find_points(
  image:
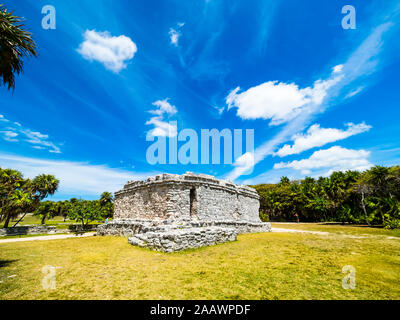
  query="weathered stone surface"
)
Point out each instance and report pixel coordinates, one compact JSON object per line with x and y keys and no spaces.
{"x":175,"y":206}
{"x":186,"y":197}
{"x":129,"y":227}
{"x":21,"y":230}
{"x":182,"y":239}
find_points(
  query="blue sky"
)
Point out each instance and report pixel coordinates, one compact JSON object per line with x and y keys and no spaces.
{"x":319,"y":97}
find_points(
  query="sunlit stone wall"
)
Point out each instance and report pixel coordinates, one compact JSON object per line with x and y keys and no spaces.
{"x":187,"y":197}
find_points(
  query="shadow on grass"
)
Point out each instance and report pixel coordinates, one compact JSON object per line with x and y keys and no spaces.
{"x":5,"y":263}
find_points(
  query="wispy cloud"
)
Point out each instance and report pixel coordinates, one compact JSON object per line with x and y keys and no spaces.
{"x":354,"y":92}
{"x":15,"y":132}
{"x":265,"y":18}
{"x":9,"y":136}
{"x":162,"y":128}
{"x":113,"y":52}
{"x":76,"y":178}
{"x":317,"y":137}
{"x":40,"y":141}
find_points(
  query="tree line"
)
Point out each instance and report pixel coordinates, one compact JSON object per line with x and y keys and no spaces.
{"x":371,"y":197}
{"x":20,"y":196}
{"x":82,"y":211}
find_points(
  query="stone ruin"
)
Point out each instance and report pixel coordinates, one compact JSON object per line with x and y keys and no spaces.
{"x":172,"y":212}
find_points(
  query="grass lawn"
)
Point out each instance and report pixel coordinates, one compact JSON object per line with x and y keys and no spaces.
{"x":257,"y":266}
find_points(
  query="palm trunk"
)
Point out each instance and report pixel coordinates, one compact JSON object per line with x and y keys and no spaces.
{"x":23,"y":216}
{"x":7,"y":221}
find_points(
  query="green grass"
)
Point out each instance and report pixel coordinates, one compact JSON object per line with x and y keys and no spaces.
{"x":257,"y":266}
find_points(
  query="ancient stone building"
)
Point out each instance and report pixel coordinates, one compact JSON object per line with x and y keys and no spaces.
{"x":174,"y":212}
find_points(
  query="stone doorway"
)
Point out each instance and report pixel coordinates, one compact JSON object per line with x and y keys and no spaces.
{"x":193,"y":202}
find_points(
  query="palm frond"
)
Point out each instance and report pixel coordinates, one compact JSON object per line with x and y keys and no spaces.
{"x":15,"y":44}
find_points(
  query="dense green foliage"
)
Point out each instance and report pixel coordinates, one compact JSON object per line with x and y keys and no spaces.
{"x":20,"y":196}
{"x":15,"y":43}
{"x":371,"y":197}
{"x":83,"y":211}
{"x":51,"y":209}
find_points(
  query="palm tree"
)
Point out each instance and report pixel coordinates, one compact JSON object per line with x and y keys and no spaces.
{"x":106,"y":204}
{"x":19,"y":195}
{"x":44,"y":185}
{"x":15,"y":43}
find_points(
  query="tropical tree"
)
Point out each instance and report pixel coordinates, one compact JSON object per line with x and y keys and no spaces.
{"x":106,"y":205}
{"x":20,"y":196}
{"x":44,"y":185}
{"x":15,"y":44}
{"x":85,"y":211}
{"x":371,"y":197}
{"x":46,"y":210}
{"x":63,"y":209}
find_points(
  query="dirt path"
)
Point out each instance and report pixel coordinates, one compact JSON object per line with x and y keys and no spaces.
{"x":280,"y":230}
{"x":322,"y":233}
{"x":53,"y":237}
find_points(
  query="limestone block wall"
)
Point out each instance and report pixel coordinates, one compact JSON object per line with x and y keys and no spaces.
{"x":142,"y":203}
{"x":187,"y":197}
{"x":177,"y":240}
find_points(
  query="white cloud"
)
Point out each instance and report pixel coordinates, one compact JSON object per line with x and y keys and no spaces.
{"x":335,"y":159}
{"x":161,"y":127}
{"x":76,"y":178}
{"x":280,"y":102}
{"x":163,"y":107}
{"x":317,"y":137}
{"x":338,"y":68}
{"x":35,"y":138}
{"x":174,"y":34}
{"x":245,"y":163}
{"x":113,"y":52}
